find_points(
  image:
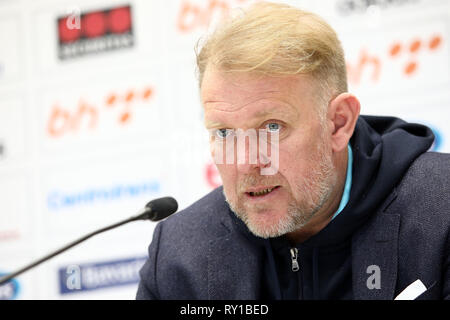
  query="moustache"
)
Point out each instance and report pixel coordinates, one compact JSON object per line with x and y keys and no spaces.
{"x":250,"y":181}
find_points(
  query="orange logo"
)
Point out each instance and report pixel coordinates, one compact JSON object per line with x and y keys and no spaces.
{"x":192,"y":16}
{"x":412,"y":49}
{"x":366,"y":63}
{"x":371,"y":64}
{"x":86,"y":115}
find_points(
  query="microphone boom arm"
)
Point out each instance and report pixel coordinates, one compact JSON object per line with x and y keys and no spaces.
{"x":144,"y":215}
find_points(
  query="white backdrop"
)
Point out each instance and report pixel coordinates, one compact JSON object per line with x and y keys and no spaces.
{"x":86,"y":141}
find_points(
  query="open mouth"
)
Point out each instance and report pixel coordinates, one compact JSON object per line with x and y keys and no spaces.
{"x":263,"y":192}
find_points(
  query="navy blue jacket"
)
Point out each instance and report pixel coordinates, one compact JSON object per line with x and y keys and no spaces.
{"x":202,"y":252}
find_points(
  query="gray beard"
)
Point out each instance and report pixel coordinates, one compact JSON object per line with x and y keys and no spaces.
{"x":316,"y":190}
{"x":295,"y":219}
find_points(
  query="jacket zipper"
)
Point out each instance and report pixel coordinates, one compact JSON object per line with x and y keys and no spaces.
{"x":294,"y":257}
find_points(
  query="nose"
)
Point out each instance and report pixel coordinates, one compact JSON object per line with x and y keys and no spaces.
{"x":248,"y":157}
{"x":247,"y":167}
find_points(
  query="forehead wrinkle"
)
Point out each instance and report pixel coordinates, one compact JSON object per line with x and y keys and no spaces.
{"x":238,"y":106}
{"x":267,"y":99}
{"x":261,"y":112}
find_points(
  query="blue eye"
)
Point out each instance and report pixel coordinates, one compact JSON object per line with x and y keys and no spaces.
{"x":273,"y":127}
{"x":223,"y":133}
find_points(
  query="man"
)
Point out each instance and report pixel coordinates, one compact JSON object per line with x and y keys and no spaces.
{"x":355,"y":208}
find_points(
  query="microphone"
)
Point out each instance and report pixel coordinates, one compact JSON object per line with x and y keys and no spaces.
{"x":155,"y":210}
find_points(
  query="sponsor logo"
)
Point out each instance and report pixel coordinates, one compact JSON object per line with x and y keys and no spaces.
{"x":193,"y":16}
{"x":412,"y":48}
{"x":86,"y":116}
{"x":348,"y":7}
{"x":94,"y":32}
{"x":57,"y":200}
{"x":403,"y":55}
{"x":93,"y":276}
{"x":224,"y":142}
{"x":9,"y":290}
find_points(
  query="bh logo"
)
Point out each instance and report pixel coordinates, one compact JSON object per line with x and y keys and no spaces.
{"x":9,"y":290}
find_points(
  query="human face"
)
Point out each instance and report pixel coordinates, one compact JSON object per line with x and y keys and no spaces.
{"x":305,"y":177}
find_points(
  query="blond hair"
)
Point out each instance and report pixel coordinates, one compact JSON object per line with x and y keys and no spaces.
{"x":277,"y":39}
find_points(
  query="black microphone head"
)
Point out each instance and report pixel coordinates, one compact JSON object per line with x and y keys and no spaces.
{"x":162,"y":208}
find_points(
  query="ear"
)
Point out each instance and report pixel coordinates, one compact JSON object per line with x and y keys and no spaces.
{"x":343,"y":112}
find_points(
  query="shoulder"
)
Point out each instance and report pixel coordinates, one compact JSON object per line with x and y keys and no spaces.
{"x":422,"y":196}
{"x":434,"y":163}
{"x":428,"y":176}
